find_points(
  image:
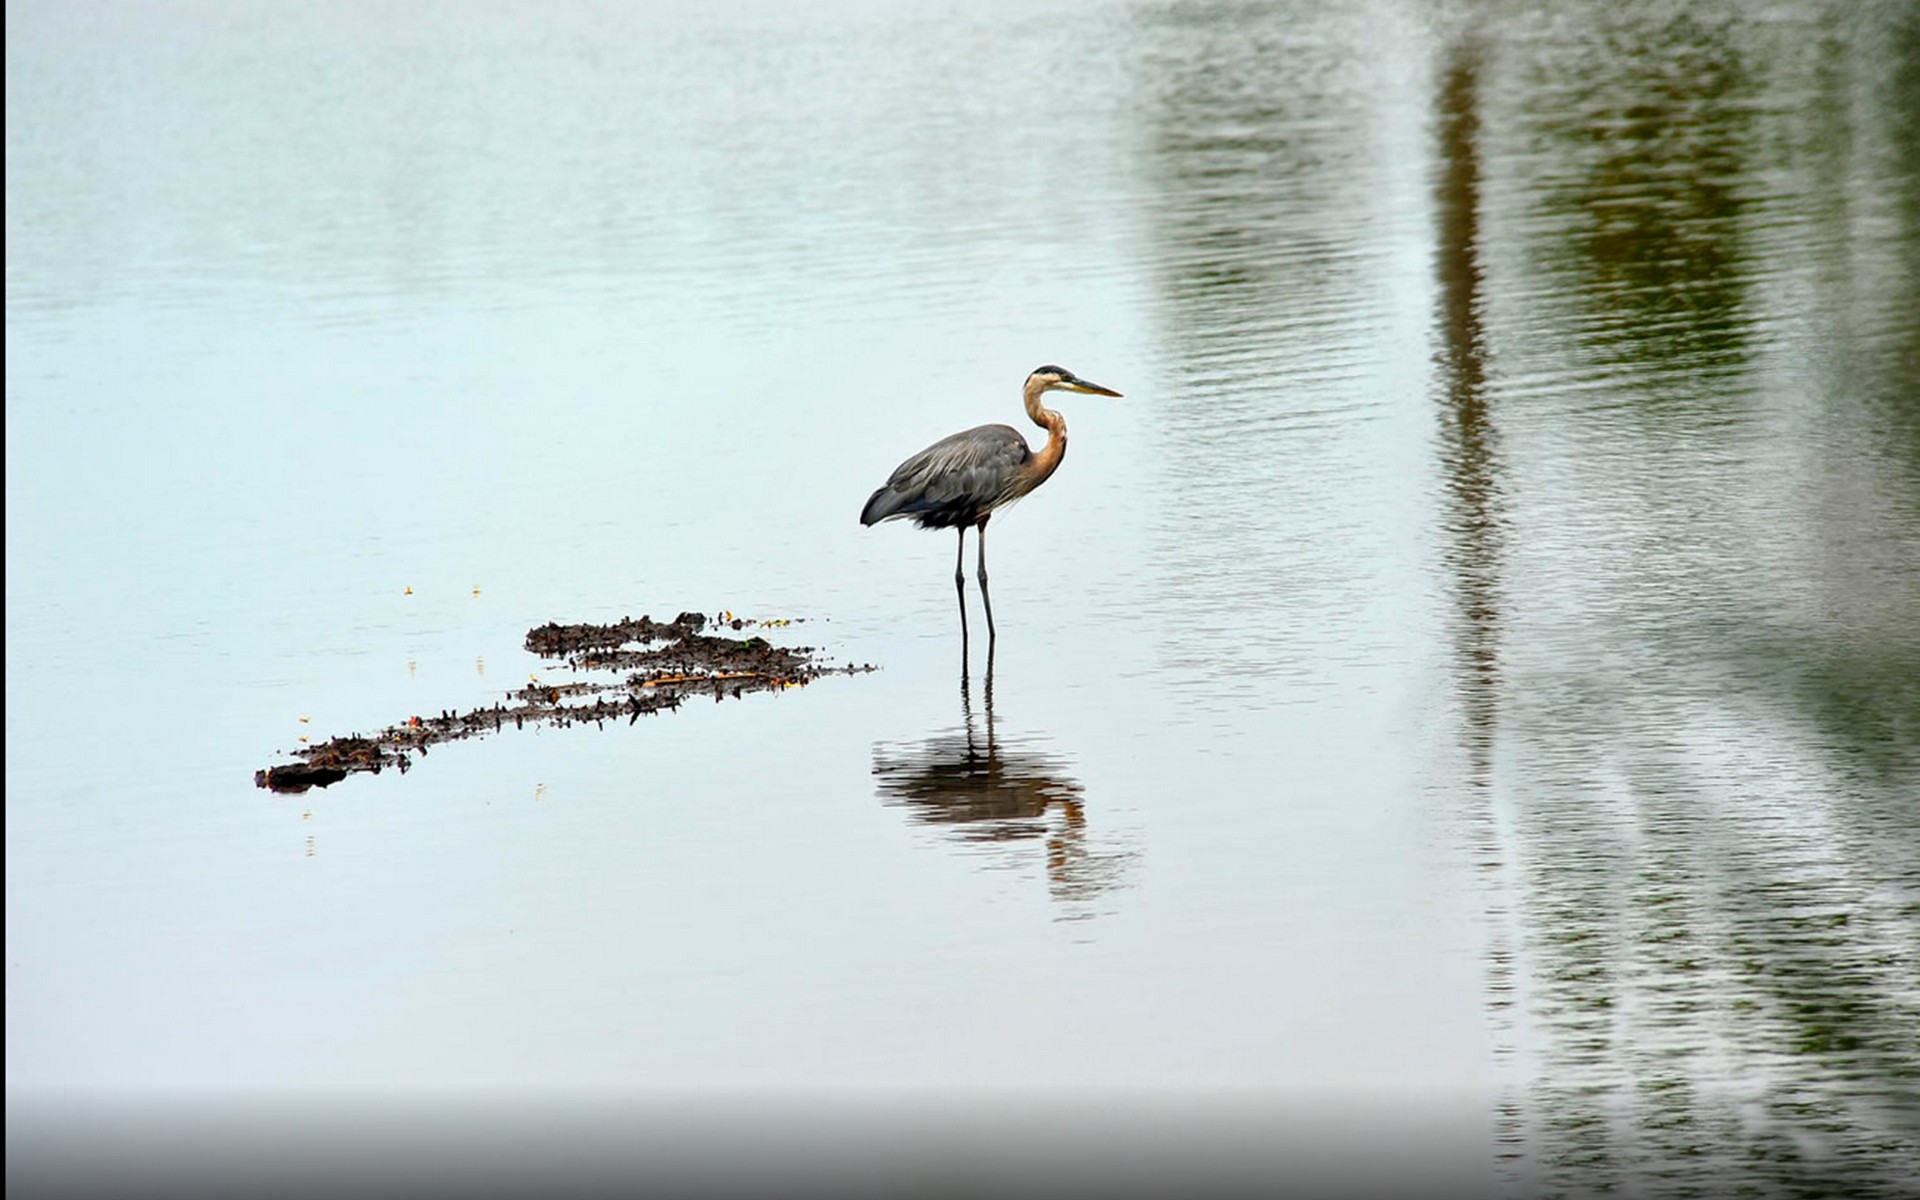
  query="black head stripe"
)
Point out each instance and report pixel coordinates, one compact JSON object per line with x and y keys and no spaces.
{"x":1053,"y":370}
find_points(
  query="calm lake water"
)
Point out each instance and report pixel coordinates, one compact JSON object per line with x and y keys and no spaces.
{"x":1470,"y":684}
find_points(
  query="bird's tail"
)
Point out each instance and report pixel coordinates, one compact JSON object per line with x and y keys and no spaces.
{"x":884,"y":503}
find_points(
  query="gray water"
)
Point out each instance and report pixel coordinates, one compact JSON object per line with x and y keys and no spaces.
{"x":1471,"y":682}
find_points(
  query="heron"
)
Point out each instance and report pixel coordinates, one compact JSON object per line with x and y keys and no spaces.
{"x":961,"y":480}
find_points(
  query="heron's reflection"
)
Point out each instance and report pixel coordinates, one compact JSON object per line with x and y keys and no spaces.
{"x":995,"y":795}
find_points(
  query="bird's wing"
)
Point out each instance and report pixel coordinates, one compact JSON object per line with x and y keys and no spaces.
{"x":972,"y":468}
{"x":969,"y":465}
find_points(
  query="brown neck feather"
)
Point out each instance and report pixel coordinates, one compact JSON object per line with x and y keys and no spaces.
{"x":1048,"y":459}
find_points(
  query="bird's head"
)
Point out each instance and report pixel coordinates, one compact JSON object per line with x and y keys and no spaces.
{"x":1050,"y":378}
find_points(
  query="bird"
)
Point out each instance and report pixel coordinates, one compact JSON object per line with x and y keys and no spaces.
{"x":963,"y":479}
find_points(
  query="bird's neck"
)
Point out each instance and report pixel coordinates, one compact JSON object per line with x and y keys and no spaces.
{"x":1050,"y":455}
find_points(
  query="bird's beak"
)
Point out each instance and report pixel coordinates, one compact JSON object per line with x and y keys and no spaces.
{"x":1082,"y":385}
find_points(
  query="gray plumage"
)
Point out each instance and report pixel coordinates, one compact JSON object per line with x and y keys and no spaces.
{"x":955,"y":481}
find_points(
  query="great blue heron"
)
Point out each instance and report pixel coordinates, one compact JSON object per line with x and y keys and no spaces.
{"x":960,"y":480}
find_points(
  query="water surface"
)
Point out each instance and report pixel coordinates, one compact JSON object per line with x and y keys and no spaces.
{"x":1471,"y":674}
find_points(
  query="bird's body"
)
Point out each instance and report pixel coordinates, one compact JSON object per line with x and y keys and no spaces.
{"x":962,"y":479}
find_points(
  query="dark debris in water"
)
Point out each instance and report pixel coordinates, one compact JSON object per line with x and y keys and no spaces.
{"x":662,"y":663}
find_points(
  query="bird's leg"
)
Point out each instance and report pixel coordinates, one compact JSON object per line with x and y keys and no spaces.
{"x":986,"y":600}
{"x":990,"y":695}
{"x":960,"y":584}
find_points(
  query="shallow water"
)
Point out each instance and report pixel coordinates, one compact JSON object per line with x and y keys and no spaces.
{"x":1473,"y":668}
